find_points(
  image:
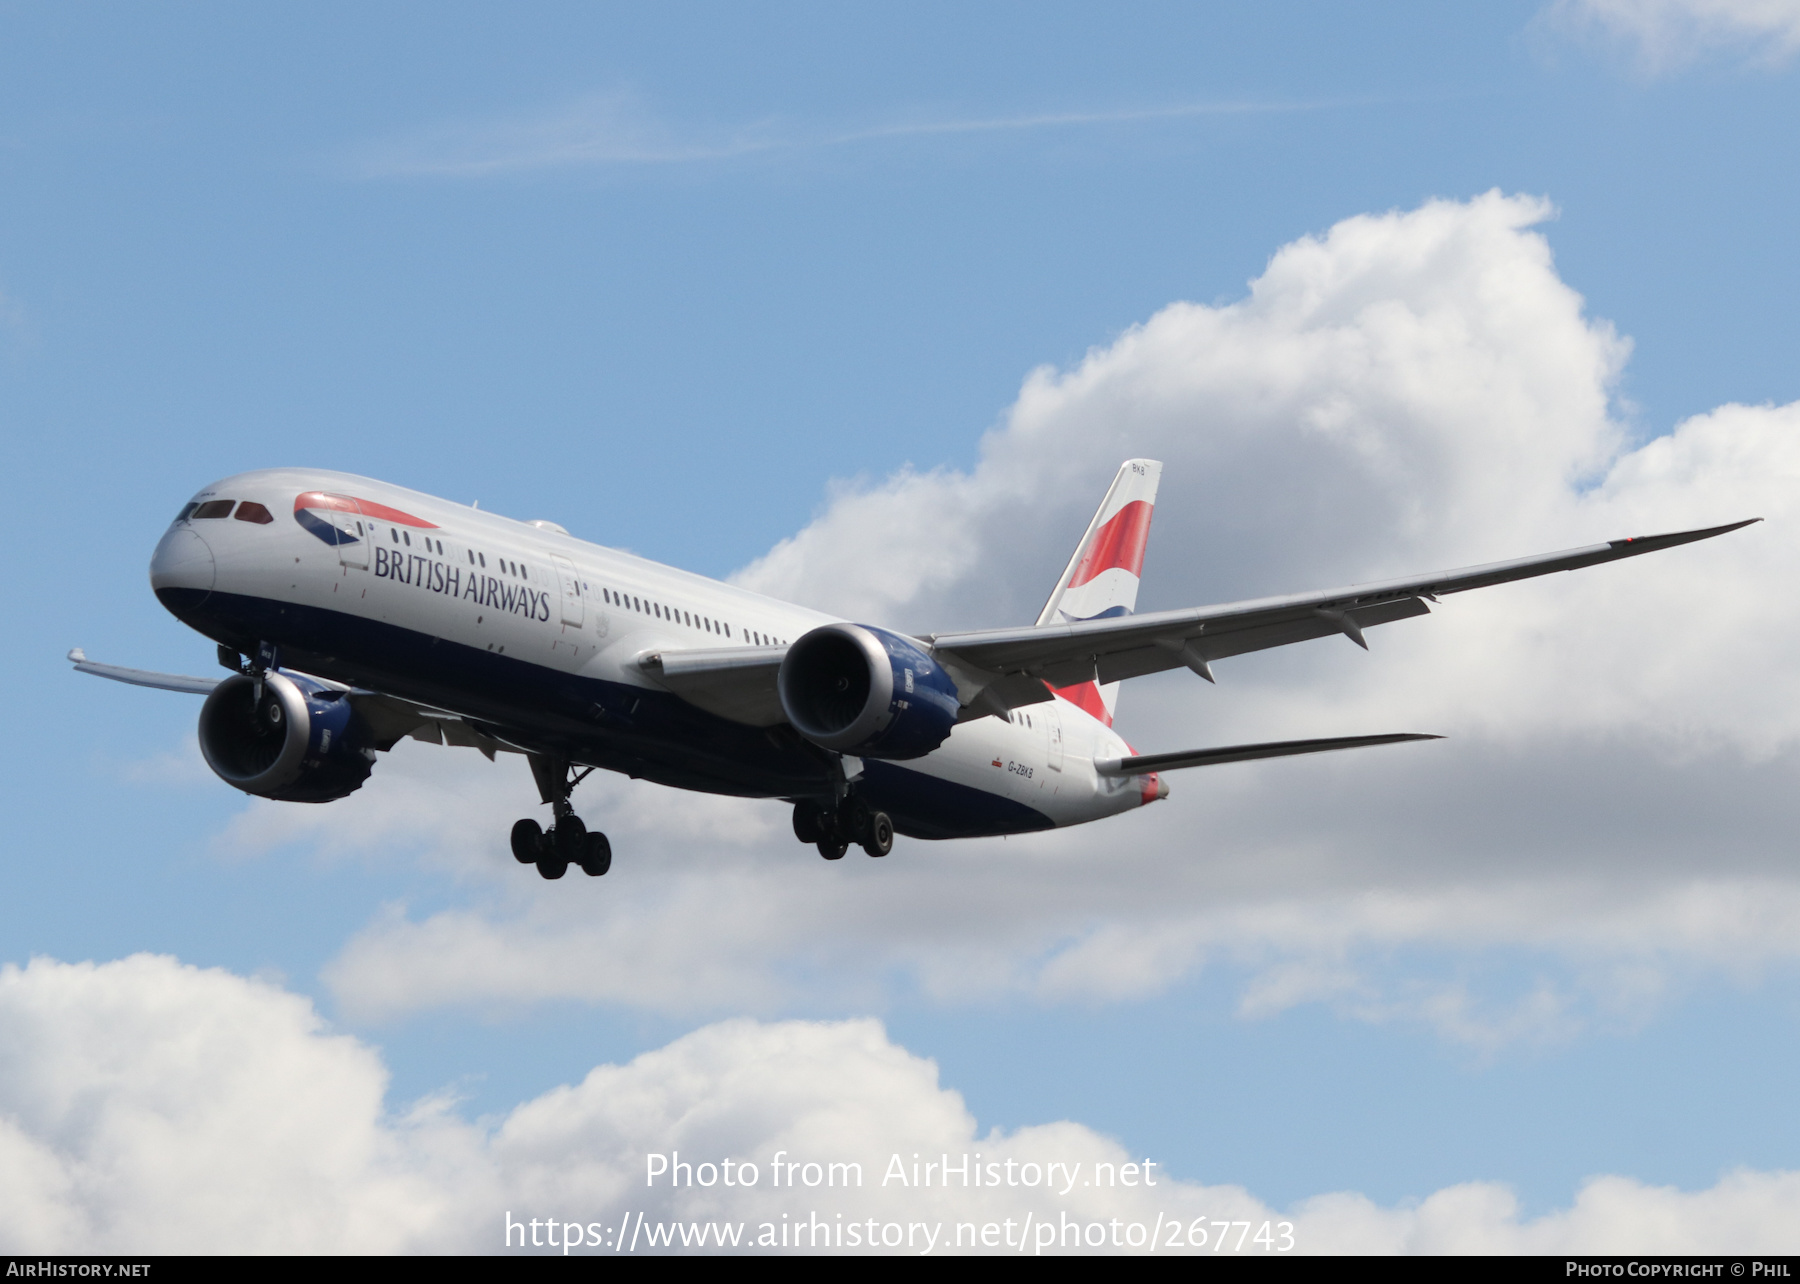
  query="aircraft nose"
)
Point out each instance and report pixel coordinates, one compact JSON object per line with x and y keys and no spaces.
{"x":182,"y":569}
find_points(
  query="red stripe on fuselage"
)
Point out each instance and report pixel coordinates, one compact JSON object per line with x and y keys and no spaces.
{"x":1119,"y":543}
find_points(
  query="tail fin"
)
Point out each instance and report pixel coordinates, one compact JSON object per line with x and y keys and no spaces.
{"x":1101,"y":579}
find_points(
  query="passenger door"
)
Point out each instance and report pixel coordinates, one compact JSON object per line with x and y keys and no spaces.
{"x":573,"y":610}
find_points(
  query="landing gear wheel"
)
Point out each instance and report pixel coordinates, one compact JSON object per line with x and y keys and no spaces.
{"x":599,"y":856}
{"x":568,"y":842}
{"x":832,"y":849}
{"x":878,"y":836}
{"x":569,"y":838}
{"x":853,"y":819}
{"x":527,"y":842}
{"x":811,"y":822}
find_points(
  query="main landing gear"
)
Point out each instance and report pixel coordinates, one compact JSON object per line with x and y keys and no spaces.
{"x":832,"y":830}
{"x":568,"y":841}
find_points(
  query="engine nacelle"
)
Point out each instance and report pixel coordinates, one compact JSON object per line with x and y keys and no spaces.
{"x":864,"y":691}
{"x":302,"y":742}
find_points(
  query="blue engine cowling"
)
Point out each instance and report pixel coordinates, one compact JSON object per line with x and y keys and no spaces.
{"x":301,"y":742}
{"x":865,"y":691}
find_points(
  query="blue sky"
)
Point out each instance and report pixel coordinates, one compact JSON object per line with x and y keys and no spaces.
{"x":692,"y":280}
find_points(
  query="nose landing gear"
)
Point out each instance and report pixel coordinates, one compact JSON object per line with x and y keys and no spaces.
{"x":568,"y":841}
{"x":832,"y":830}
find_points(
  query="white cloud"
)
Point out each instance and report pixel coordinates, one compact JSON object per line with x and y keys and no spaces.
{"x":1670,"y":33}
{"x":1408,"y":391}
{"x":146,"y":1106}
{"x":151,"y":1107}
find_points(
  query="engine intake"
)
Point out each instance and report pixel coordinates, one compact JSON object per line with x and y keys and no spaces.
{"x":301,"y":742}
{"x":861,"y":690}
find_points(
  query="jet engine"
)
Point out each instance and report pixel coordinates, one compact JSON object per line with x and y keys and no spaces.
{"x":300,"y":741}
{"x":865,"y":691}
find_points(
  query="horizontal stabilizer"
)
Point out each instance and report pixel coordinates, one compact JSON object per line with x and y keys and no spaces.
{"x":1144,"y":763}
{"x":143,"y":677}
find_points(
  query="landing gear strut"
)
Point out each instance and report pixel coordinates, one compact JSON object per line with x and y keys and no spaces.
{"x":568,"y":841}
{"x":833,"y":829}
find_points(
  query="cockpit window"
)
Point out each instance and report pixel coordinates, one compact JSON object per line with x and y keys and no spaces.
{"x":214,"y":508}
{"x":187,"y":511}
{"x":251,"y":511}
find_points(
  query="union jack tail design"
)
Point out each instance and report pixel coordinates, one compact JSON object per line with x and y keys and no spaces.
{"x":1101,"y":580}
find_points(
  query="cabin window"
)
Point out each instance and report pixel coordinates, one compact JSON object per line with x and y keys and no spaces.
{"x":483,"y":557}
{"x":394,"y":534}
{"x":214,"y":508}
{"x":525,"y":571}
{"x":251,"y":511}
{"x":407,"y":536}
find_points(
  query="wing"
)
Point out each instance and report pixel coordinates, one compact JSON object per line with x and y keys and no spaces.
{"x":389,"y":717}
{"x":999,"y":669}
{"x":734,"y":682}
{"x":143,"y":677}
{"x":1144,"y":763}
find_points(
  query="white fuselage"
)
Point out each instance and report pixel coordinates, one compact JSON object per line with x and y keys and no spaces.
{"x":445,"y":602}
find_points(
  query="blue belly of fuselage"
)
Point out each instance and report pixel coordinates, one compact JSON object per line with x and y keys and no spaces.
{"x":639,"y":732}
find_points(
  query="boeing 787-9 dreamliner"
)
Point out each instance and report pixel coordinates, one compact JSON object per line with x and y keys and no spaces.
{"x":352,"y":613}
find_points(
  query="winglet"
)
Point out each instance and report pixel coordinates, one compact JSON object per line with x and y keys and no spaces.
{"x":1682,"y":537}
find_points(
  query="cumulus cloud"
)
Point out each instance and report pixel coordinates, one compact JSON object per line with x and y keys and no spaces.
{"x":147,"y":1106}
{"x":1669,"y":33}
{"x":1405,"y":392}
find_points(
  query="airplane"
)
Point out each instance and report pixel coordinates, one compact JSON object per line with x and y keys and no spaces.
{"x":353,"y":613}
